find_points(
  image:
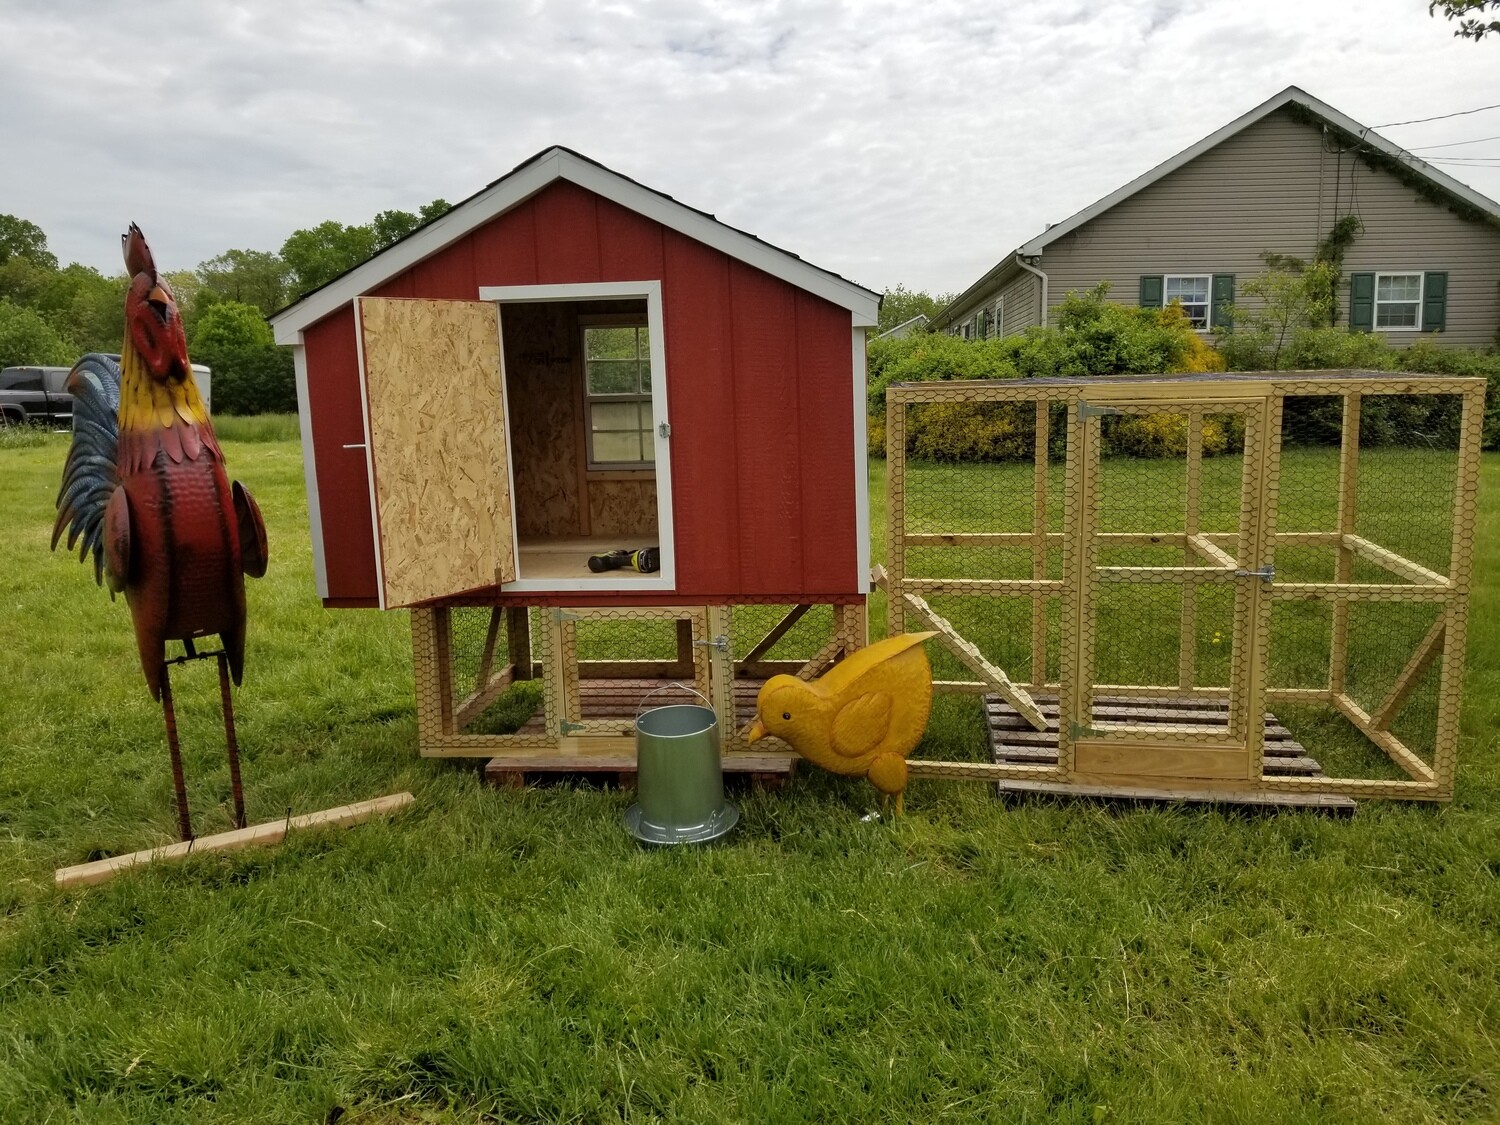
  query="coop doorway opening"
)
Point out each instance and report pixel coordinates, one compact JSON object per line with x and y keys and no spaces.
{"x":586,"y":414}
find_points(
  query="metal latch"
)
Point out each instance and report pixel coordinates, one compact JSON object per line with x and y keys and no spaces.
{"x":720,"y":643}
{"x":664,"y":429}
{"x":1265,"y":573}
{"x":1087,"y":410}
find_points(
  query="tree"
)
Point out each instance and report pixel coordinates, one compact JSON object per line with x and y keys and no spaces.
{"x":316,"y":256}
{"x":25,"y":338}
{"x":251,"y":375}
{"x":901,"y":304}
{"x":20,"y":238}
{"x":83,"y":307}
{"x":250,"y":277}
{"x":1470,"y":26}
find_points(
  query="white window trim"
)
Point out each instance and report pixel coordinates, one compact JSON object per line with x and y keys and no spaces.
{"x":586,"y":322}
{"x":1208,"y":312}
{"x":1376,"y":302}
{"x":666,"y":577}
{"x":999,"y":320}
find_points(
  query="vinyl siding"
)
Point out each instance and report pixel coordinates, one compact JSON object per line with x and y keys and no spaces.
{"x":1023,"y":302}
{"x":1273,"y":187}
{"x":1021,"y":292}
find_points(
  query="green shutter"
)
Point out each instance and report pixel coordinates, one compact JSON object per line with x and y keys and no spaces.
{"x":1435,"y":301}
{"x":1222,"y":318}
{"x":1151,"y":291}
{"x":981,"y":324}
{"x":1362,"y":302}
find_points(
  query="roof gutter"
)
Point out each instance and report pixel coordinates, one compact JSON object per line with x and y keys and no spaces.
{"x":1029,"y":268}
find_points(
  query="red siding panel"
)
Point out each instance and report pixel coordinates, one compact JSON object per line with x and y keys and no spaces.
{"x":630,"y":245}
{"x":700,"y":399}
{"x":505,"y":250}
{"x":758,"y":389}
{"x":343,"y":480}
{"x":567,"y":234}
{"x":825,"y":418}
{"x":767,"y":454}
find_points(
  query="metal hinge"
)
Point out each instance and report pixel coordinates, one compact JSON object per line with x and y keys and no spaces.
{"x":1265,"y":573}
{"x":664,"y":429}
{"x":721,"y":643}
{"x":561,"y":615}
{"x":1087,"y":410}
{"x":1082,"y":730}
{"x":569,"y":728}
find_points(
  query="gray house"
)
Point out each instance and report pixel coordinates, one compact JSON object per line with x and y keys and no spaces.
{"x":1277,"y":179}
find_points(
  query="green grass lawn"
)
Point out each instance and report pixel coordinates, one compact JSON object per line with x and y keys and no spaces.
{"x":516,"y":956}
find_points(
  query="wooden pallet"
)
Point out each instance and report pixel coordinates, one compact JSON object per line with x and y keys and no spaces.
{"x":620,"y":699}
{"x":1014,"y":741}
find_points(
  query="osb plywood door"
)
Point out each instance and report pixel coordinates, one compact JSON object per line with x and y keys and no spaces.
{"x":437,"y":442}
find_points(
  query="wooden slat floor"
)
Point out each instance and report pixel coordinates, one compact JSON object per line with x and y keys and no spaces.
{"x":1014,"y":741}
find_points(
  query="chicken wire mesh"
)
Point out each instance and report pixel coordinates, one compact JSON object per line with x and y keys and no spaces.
{"x":593,"y":668}
{"x":1226,"y":541}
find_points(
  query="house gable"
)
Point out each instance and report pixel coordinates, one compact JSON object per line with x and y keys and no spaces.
{"x":1279,"y":185}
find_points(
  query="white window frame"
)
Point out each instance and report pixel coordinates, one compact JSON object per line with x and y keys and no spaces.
{"x":1376,"y":302}
{"x":609,"y":320}
{"x":1208,"y":302}
{"x":999,"y":318}
{"x":666,"y":577}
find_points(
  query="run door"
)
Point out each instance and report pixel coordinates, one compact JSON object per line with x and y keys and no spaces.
{"x":1172,"y":530}
{"x":436,"y":448}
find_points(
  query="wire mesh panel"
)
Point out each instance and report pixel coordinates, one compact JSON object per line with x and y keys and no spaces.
{"x":1188,"y":550}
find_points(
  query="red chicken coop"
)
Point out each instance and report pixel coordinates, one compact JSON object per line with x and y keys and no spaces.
{"x":594,"y":438}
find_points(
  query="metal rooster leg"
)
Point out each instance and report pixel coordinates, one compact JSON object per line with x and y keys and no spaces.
{"x":145,"y":492}
{"x":174,"y":746}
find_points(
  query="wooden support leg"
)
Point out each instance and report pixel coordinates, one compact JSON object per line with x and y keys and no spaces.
{"x":518,"y":639}
{"x":184,"y":820}
{"x":231,"y":743}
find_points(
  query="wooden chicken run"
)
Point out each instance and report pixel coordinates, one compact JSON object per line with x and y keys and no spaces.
{"x":593,"y":438}
{"x":1165,"y":558}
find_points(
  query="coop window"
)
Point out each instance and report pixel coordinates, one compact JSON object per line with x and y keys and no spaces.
{"x":1192,"y":293}
{"x":617,"y":376}
{"x":1398,"y":300}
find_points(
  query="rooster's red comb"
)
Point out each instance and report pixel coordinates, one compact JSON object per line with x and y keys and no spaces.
{"x":137,"y":254}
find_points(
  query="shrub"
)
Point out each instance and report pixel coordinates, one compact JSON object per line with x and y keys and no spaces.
{"x":251,"y":375}
{"x":25,"y":338}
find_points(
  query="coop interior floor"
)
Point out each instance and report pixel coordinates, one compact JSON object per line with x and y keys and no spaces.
{"x":568,"y":556}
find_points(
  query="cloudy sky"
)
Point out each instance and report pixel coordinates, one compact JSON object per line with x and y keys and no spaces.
{"x":911,"y":143}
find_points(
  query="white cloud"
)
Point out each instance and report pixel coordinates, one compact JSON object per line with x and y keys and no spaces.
{"x":890,"y":142}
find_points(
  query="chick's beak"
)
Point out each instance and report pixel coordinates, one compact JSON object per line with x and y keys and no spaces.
{"x":756,"y":730}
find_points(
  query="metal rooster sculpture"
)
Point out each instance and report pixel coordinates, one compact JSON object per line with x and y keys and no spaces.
{"x":145,"y":492}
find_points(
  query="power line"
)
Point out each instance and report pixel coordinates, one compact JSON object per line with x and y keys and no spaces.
{"x":1439,"y":117}
{"x":1452,"y":144}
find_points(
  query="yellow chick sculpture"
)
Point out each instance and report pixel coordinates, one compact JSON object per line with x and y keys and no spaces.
{"x":859,"y":719}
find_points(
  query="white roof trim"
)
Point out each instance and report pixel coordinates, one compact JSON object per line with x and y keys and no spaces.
{"x":1286,"y":97}
{"x":530,"y":178}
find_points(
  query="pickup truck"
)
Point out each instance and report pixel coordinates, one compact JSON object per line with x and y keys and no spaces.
{"x":35,"y":395}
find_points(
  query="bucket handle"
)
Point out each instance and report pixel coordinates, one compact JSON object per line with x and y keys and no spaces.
{"x":640,"y":710}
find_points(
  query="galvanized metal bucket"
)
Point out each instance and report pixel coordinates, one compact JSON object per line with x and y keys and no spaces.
{"x":679,"y":777}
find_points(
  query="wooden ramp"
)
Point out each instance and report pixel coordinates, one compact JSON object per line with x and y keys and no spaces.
{"x":1014,"y":741}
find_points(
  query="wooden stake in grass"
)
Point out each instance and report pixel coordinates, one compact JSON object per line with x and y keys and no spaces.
{"x":101,"y":871}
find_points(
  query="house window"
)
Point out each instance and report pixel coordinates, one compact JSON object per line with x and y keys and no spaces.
{"x":1192,"y":293}
{"x":617,"y":379}
{"x":982,"y":324}
{"x":999,"y":318}
{"x":1398,"y":300}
